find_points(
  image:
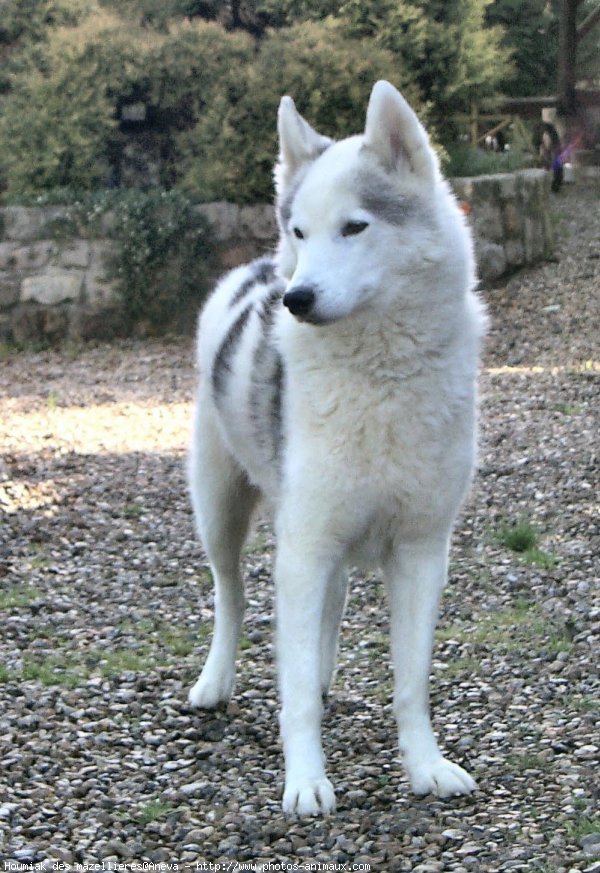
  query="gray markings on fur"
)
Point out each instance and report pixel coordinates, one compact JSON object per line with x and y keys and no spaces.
{"x":379,"y":198}
{"x":221,"y":365}
{"x":263,"y":273}
{"x":285,"y":205}
{"x":267,"y":387}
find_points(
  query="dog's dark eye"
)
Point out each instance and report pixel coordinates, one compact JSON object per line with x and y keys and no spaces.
{"x":298,"y":233}
{"x":351,"y":228}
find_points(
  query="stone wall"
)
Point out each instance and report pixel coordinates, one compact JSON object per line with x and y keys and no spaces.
{"x":510,"y":217}
{"x":53,"y":287}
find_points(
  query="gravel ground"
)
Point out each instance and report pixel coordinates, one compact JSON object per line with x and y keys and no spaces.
{"x":106,"y":612}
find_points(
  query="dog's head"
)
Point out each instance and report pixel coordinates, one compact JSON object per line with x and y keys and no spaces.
{"x":360,"y":219}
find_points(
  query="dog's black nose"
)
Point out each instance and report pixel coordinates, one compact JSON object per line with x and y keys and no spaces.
{"x":299,"y":300}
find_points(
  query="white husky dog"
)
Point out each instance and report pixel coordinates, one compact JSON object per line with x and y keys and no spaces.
{"x":338,"y":380}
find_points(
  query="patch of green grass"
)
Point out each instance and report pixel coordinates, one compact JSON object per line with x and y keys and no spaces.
{"x":543,"y":868}
{"x":518,"y":537}
{"x":177,"y":642}
{"x":17,"y":596}
{"x":469,"y":665}
{"x":468,"y":160}
{"x":245,"y":643}
{"x":57,"y":670}
{"x":540,"y":558}
{"x":39,"y":562}
{"x":523,"y":538}
{"x":583,"y":826}
{"x":525,"y":761}
{"x":522,"y":625}
{"x":6,"y":352}
{"x":580,"y":704}
{"x":6,"y":675}
{"x":567,"y":408}
{"x":72,"y":349}
{"x":52,"y":400}
{"x":154,"y":811}
{"x":114,"y":663}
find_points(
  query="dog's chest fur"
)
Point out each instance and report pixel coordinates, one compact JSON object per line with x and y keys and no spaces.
{"x":373,"y":413}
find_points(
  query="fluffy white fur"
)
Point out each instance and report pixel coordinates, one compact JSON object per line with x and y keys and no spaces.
{"x":368,"y":458}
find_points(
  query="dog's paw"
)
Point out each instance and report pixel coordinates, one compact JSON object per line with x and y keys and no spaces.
{"x":441,"y":777}
{"x":308,"y":797}
{"x":211,"y":691}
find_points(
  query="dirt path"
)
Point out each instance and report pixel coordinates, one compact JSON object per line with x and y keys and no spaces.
{"x":106,"y":610}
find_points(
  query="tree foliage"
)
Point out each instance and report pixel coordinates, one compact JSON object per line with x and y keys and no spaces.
{"x":444,"y":45}
{"x":211,"y":73}
{"x":232,"y":146}
{"x":531,"y":33}
{"x":58,"y":125}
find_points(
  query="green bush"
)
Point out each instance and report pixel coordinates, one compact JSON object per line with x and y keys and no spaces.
{"x":468,"y":160}
{"x":229,"y":153}
{"x":58,"y":118}
{"x":163,"y":259}
{"x":58,"y":121}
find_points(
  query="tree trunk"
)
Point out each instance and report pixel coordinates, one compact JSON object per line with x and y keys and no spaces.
{"x":567,"y":52}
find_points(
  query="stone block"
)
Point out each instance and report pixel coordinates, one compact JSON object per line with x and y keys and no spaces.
{"x":97,"y":288}
{"x":33,"y":256}
{"x":90,"y":322}
{"x":7,"y":255}
{"x":491,"y":260}
{"x":515,"y":252}
{"x":52,"y":287}
{"x":224,"y":219}
{"x":57,"y":220}
{"x":108,"y":222}
{"x":485,"y":188}
{"x":10,"y":289}
{"x":548,"y":234}
{"x":487,"y":220}
{"x":22,"y":223}
{"x":507,"y":185}
{"x":533,"y":240}
{"x":54,"y":323}
{"x":234,"y":255}
{"x":27,"y":324}
{"x":75,"y":253}
{"x":258,"y":222}
{"x":512,"y":219}
{"x":463,"y":187}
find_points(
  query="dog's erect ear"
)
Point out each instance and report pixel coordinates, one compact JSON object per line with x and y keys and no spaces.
{"x":298,"y":142}
{"x":395,"y":134}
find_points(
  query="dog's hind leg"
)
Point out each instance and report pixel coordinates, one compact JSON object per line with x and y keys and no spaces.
{"x":415,"y":578}
{"x":223,"y":501}
{"x":333,"y":610}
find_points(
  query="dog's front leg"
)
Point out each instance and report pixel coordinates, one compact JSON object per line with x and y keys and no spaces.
{"x":302,"y":576}
{"x":415,"y":578}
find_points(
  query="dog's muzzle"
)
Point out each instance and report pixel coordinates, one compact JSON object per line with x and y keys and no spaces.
{"x":300,"y":300}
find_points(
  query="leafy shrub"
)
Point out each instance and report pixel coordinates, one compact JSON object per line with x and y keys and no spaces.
{"x":229,"y":153}
{"x":58,"y":125}
{"x":163,"y":258}
{"x":58,"y":117}
{"x":468,"y":160}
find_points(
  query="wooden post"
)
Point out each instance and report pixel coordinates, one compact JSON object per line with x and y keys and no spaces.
{"x":474,"y":124}
{"x":567,"y":52}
